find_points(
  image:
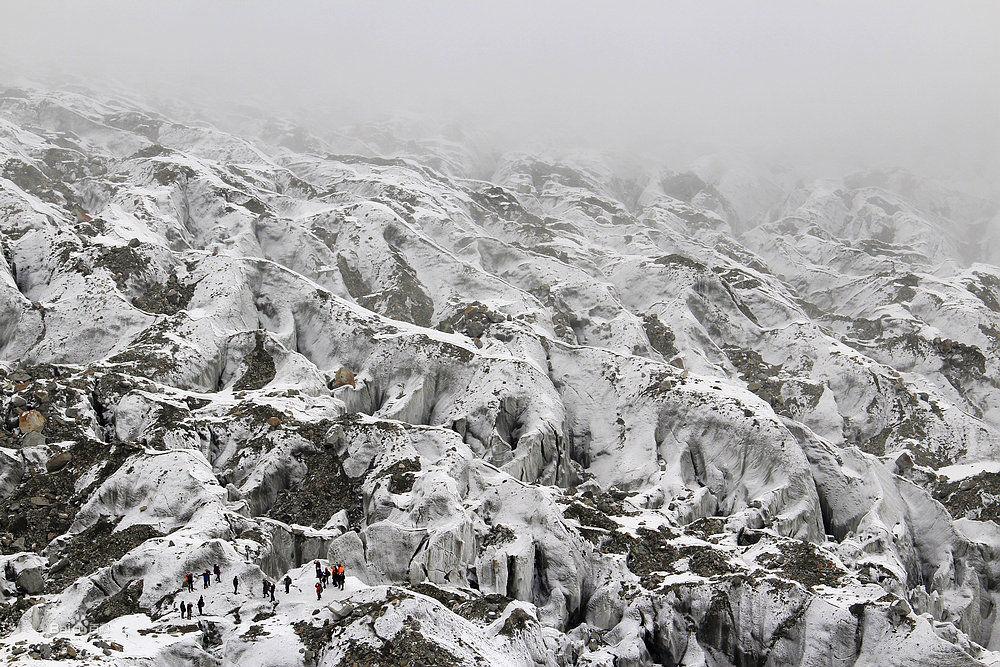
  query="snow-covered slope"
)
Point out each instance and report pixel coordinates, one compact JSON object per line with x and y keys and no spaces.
{"x":548,"y":410}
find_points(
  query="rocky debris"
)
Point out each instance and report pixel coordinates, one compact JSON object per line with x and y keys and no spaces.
{"x":649,"y":555}
{"x":587,"y":515}
{"x":517,"y":622}
{"x":44,"y":502}
{"x":498,"y":535}
{"x":401,"y":475}
{"x":122,"y":603}
{"x":212,"y":636}
{"x":407,"y":648}
{"x":58,"y":649}
{"x":976,"y":497}
{"x":95,"y":547}
{"x":399,"y":295}
{"x":661,"y":338}
{"x":315,"y":638}
{"x":107,"y":648}
{"x":324,"y":490}
{"x":486,"y":608}
{"x":472,"y":319}
{"x":123,"y":263}
{"x":448,"y":598}
{"x":11,"y":612}
{"x":259,"y":367}
{"x":153,"y":353}
{"x":762,"y":378}
{"x":802,"y":562}
{"x":167,"y":298}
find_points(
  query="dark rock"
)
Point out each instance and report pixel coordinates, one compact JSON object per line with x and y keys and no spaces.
{"x":58,"y":461}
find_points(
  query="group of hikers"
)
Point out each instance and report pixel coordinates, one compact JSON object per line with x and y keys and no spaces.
{"x":188,"y":607}
{"x":324,"y":577}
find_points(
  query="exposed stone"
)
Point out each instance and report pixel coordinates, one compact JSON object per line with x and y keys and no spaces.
{"x":31,"y":421}
{"x":58,"y":461}
{"x":344,"y":377}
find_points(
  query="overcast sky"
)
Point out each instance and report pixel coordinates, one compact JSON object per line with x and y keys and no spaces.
{"x":912,"y":82}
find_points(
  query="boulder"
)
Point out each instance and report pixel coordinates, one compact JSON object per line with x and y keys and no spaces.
{"x":31,"y":580}
{"x":31,"y":421}
{"x":33,"y":439}
{"x":58,"y":462}
{"x":29,"y":571}
{"x":344,"y":377}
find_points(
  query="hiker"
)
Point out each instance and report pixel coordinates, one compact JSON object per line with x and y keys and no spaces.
{"x":326,"y":576}
{"x":218,"y":573}
{"x":265,"y":586}
{"x":271,"y":588}
{"x":236,"y":585}
{"x":319,"y":572}
{"x":288,"y":583}
{"x":190,"y":606}
{"x":341,"y":577}
{"x":206,"y":577}
{"x":319,"y":591}
{"x":201,"y":605}
{"x":189,"y":581}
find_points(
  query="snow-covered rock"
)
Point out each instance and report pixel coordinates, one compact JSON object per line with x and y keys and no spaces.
{"x":547,"y":409}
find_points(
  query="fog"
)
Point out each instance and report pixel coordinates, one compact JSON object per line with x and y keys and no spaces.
{"x":913,"y":83}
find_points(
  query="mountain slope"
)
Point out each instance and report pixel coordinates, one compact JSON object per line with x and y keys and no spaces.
{"x":556,"y":414}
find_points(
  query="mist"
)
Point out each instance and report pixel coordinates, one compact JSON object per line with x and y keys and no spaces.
{"x":845,"y":84}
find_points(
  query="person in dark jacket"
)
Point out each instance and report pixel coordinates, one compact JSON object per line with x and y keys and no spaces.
{"x":288,"y":583}
{"x":236,"y":585}
{"x":206,"y":577}
{"x":218,"y":573}
{"x":271,"y":588}
{"x":201,"y":605}
{"x":265,"y":587}
{"x":189,"y":581}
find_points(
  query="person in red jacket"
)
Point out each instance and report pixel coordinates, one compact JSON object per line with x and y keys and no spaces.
{"x":319,"y":591}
